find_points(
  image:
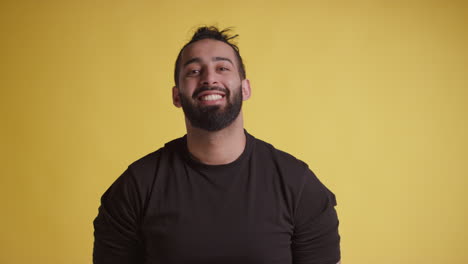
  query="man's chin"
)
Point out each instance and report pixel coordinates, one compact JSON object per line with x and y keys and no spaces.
{"x":209,"y":108}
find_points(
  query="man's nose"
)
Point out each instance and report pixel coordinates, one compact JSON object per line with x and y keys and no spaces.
{"x":208,"y":77}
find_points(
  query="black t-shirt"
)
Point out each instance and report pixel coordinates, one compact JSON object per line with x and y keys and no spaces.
{"x":265,"y":207}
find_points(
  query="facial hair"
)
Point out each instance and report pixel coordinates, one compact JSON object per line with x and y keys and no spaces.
{"x":213,"y":117}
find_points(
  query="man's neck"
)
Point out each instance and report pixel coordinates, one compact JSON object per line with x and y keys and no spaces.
{"x":219,"y":147}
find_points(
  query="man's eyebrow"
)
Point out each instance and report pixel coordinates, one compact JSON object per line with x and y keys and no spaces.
{"x":198,"y":60}
{"x":222,"y":59}
{"x":193,"y":60}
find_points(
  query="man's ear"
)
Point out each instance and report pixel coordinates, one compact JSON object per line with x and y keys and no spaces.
{"x":176,"y":96}
{"x":246,"y":92}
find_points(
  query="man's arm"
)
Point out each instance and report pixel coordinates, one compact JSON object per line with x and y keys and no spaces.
{"x":316,"y":238}
{"x":116,"y":238}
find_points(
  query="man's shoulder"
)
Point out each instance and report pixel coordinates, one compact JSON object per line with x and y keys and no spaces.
{"x":292,"y":171}
{"x":268,"y":150}
{"x":148,"y":163}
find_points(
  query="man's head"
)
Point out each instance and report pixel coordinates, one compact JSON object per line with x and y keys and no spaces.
{"x":210,"y":80}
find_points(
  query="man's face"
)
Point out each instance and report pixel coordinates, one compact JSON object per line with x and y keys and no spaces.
{"x":210,"y":89}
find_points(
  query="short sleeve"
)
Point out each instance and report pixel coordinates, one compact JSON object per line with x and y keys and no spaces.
{"x":315,"y":239}
{"x":116,"y":231}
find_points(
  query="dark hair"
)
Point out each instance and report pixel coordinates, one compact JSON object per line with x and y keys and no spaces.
{"x":212,"y":32}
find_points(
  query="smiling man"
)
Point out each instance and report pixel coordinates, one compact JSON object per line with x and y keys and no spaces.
{"x":217,"y":194}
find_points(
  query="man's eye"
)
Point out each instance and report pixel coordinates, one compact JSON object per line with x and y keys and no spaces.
{"x":193,"y":72}
{"x":223,"y":69}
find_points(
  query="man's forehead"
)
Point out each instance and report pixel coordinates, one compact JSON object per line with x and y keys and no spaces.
{"x":207,"y":49}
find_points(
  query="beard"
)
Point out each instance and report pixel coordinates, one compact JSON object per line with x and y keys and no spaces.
{"x":213,"y":117}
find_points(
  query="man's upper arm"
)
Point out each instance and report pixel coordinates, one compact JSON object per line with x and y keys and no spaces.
{"x":116,"y":238}
{"x":316,"y":238}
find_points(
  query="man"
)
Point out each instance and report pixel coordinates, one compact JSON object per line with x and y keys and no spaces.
{"x":216,"y":195}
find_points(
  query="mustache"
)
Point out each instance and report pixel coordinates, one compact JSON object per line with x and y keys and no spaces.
{"x":210,"y":88}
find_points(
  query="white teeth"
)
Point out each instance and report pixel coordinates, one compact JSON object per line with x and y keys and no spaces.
{"x":211,"y":97}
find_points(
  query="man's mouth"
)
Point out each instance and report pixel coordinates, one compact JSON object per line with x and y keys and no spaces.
{"x":210,"y":97}
{"x":210,"y":94}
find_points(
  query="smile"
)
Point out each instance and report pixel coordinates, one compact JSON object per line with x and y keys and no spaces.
{"x":211,"y":97}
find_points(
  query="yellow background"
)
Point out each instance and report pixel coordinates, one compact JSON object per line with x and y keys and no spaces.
{"x":371,"y":94}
